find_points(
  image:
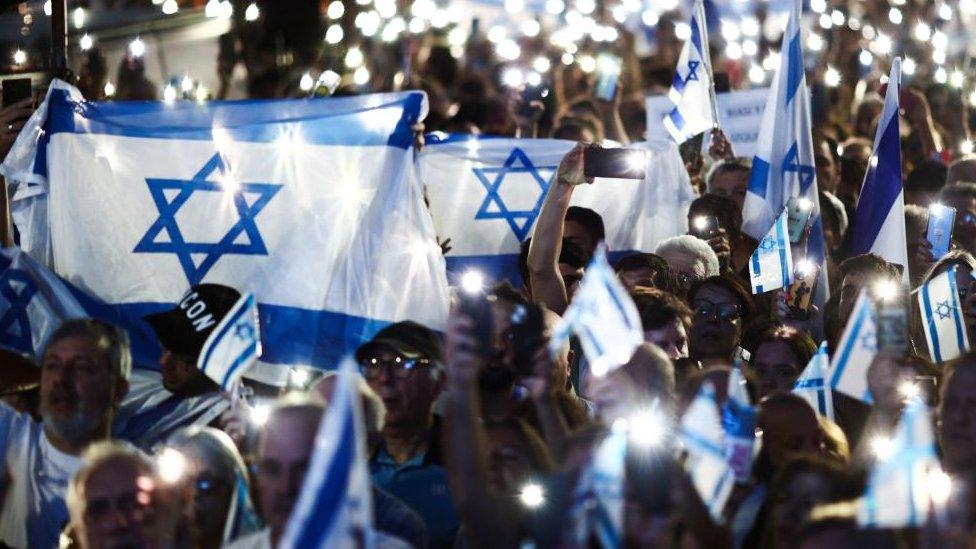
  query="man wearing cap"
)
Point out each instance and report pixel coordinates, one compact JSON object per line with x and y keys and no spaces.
{"x":180,"y":395}
{"x":403,"y":363}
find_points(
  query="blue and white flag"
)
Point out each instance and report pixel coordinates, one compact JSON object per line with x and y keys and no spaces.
{"x":942,"y":317}
{"x":703,"y":438}
{"x":905,"y":480}
{"x":312,"y":205}
{"x":783,"y":166}
{"x":335,"y":507}
{"x":598,"y":498}
{"x":812,"y":384}
{"x":242,"y":518}
{"x":879,"y":220}
{"x":604,"y":318}
{"x":857,"y":348}
{"x":692,"y":91}
{"x":739,"y":423}
{"x":771,"y":265}
{"x":485,"y":194}
{"x":234,"y":345}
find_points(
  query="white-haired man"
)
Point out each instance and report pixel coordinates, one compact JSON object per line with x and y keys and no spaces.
{"x":690,"y":258}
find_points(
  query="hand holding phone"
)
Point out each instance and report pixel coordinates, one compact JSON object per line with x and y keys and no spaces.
{"x":614,"y":163}
{"x":939,"y":232}
{"x":799,"y":295}
{"x":527,"y":328}
{"x":704,"y":227}
{"x":608,"y":67}
{"x":798,"y":213}
{"x":477,"y":306}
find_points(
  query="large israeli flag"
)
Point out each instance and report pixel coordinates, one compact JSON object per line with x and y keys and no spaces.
{"x":314,"y":206}
{"x":857,"y":348}
{"x":485,"y":194}
{"x":771,"y":265}
{"x":906,"y":480}
{"x":942,"y":317}
{"x":335,"y":506}
{"x":783,"y":166}
{"x":692,"y":90}
{"x":812,"y":384}
{"x":234,"y":345}
{"x":879,"y":221}
{"x":702,"y":435}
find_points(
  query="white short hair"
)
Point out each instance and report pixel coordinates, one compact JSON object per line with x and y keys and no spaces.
{"x":95,"y":456}
{"x":693,"y":246}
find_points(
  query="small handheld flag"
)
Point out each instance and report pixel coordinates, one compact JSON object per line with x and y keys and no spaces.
{"x":598,"y":499}
{"x":812,"y":384}
{"x":942,"y":317}
{"x":692,"y":90}
{"x":739,"y":423}
{"x":234,"y":345}
{"x":703,"y":437}
{"x":771,"y":265}
{"x":857,"y":348}
{"x":604,"y":318}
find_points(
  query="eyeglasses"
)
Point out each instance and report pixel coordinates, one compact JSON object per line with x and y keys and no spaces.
{"x":128,"y":504}
{"x":720,"y":311}
{"x":401,"y":367}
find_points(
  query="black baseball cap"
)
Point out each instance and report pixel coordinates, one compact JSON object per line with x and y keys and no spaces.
{"x":409,"y":338}
{"x":184,"y":329}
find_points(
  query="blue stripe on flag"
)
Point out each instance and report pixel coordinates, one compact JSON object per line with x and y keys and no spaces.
{"x":757,"y":287}
{"x":677,"y":119}
{"x":759,"y":177}
{"x":248,"y":354}
{"x":621,"y":310}
{"x":220,"y":335}
{"x":794,"y":68}
{"x":956,"y":307}
{"x":703,"y":443}
{"x":881,"y":187}
{"x":784,"y":248}
{"x":933,"y":324}
{"x":849,"y":346}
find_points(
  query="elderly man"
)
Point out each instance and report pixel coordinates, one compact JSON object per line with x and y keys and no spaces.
{"x":690,"y":258}
{"x":117,"y":499}
{"x":84,"y":376}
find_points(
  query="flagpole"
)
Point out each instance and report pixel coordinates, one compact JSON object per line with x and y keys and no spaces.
{"x":707,"y":57}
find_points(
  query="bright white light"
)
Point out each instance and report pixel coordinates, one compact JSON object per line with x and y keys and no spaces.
{"x":909,"y":390}
{"x":865,"y":58}
{"x":212,"y":9}
{"x":532,"y":495}
{"x":388,"y":8}
{"x":531,"y":28}
{"x":966,"y":147}
{"x":109,"y":89}
{"x":885,"y":288}
{"x":895,"y":16}
{"x":940,"y":486}
{"x":586,"y":7}
{"x":330,"y":79}
{"x":756,"y":74}
{"x":815,"y":42}
{"x":170,"y":7}
{"x":750,"y":47}
{"x":86,"y":42}
{"x":354,"y":57}
{"x":513,"y":77}
{"x":832,"y":77}
{"x":825,"y":21}
{"x":423,"y":8}
{"x":682,"y":31}
{"x":940,"y":40}
{"x":541,"y":64}
{"x":957,"y":79}
{"x":201,"y":94}
{"x":229,"y":183}
{"x":730,"y":31}
{"x":334,"y":34}
{"x":306,"y":83}
{"x":873,"y":161}
{"x":514,"y":6}
{"x":416,"y":25}
{"x":186,"y":84}
{"x":171,"y":464}
{"x":966,"y":7}
{"x":837,"y":18}
{"x":818,"y":6}
{"x":868,"y":32}
{"x":78,"y":17}
{"x":854,"y":23}
{"x":803,"y":267}
{"x":567,"y":59}
{"x":533,"y":79}
{"x":336,"y":9}
{"x":371,"y":23}
{"x":771,"y":62}
{"x":733,"y":51}
{"x":508,"y":49}
{"x":299,"y":377}
{"x":47,"y":8}
{"x":361,"y":76}
{"x":619,"y":14}
{"x":457,"y":36}
{"x":945,"y":11}
{"x":259,"y":414}
{"x":941,"y":76}
{"x":939,"y":57}
{"x":226,"y":10}
{"x":922,"y":31}
{"x":647,"y":428}
{"x":700,"y":222}
{"x":908,"y":66}
{"x":496,"y":34}
{"x":555,"y":7}
{"x":650,"y":18}
{"x":137,"y":48}
{"x":587,"y":64}
{"x":749,"y":26}
{"x":252,"y":12}
{"x":882,"y":447}
{"x":472,"y":282}
{"x":883,"y":44}
{"x":20,"y":57}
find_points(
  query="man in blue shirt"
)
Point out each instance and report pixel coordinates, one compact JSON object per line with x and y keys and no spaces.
{"x":403,"y":364}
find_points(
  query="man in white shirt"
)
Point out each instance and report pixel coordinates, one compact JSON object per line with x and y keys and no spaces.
{"x":84,"y":376}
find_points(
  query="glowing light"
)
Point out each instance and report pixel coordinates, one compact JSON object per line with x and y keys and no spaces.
{"x":496,"y":34}
{"x":865,"y":58}
{"x":229,"y":183}
{"x":957,"y":79}
{"x":832,"y":77}
{"x":137,"y":48}
{"x":966,"y":7}
{"x":771,"y":61}
{"x":47,"y":8}
{"x":186,"y":84}
{"x":941,"y":76}
{"x":336,"y":10}
{"x":700,"y":222}
{"x":533,"y":79}
{"x":882,"y":44}
{"x":259,"y":414}
{"x":619,"y":14}
{"x":171,"y":465}
{"x":756,"y":74}
{"x":650,"y":18}
{"x":334,"y":34}
{"x":508,"y":49}
{"x":354,"y":57}
{"x":750,"y":47}
{"x":966,"y":147}
{"x":938,"y":57}
{"x":922,"y":31}
{"x":749,"y":26}
{"x":472,"y":282}
{"x":78,"y":17}
{"x":423,"y":8}
{"x":86,"y":42}
{"x":882,"y":447}
{"x":682,"y":31}
{"x":170,"y":7}
{"x":299,"y":377}
{"x":837,"y":17}
{"x":531,"y":28}
{"x":514,"y":6}
{"x":416,"y":25}
{"x":647,"y":429}
{"x":457,"y":36}
{"x":567,"y":59}
{"x":306,"y":82}
{"x":555,"y":7}
{"x":398,"y":25}
{"x":804,"y":204}
{"x":109,"y":89}
{"x":733,"y":51}
{"x":361,"y":76}
{"x":388,"y":8}
{"x":818,"y":6}
{"x":868,"y":32}
{"x":169,"y":93}
{"x":226,"y":10}
{"x":803,"y":267}
{"x":908,"y":66}
{"x":587,"y":63}
{"x":541,"y":64}
{"x":252,"y":13}
{"x":201,"y":94}
{"x":730,"y":31}
{"x":895,"y":16}
{"x":885,"y":288}
{"x":825,"y":21}
{"x":330,"y":79}
{"x":945,"y":11}
{"x":940,"y":40}
{"x":909,"y":390}
{"x":20,"y":57}
{"x":586,"y":7}
{"x":532,"y":495}
{"x":212,"y":9}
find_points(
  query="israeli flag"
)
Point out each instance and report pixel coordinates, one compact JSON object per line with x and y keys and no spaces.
{"x":335,"y":506}
{"x":233,"y":346}
{"x":942,"y":317}
{"x":692,"y":90}
{"x":879,"y":220}
{"x":904,"y":481}
{"x":771,"y":265}
{"x":739,"y":423}
{"x":598,"y":499}
{"x":857,"y":348}
{"x":783,"y":166}
{"x":486,"y":192}
{"x":812,"y":384}
{"x":703,"y":437}
{"x":312,"y":205}
{"x":604,"y":318}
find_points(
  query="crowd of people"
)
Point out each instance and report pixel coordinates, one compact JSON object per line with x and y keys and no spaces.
{"x":471,"y":440}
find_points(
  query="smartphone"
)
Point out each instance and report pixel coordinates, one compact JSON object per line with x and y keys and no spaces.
{"x":799,"y":295}
{"x":893,"y":326}
{"x":939,"y":232}
{"x":478,"y":307}
{"x":607,"y":73}
{"x":704,"y":226}
{"x":798,"y":212}
{"x":16,"y":89}
{"x":614,"y":163}
{"x":526,"y":329}
{"x":690,"y":150}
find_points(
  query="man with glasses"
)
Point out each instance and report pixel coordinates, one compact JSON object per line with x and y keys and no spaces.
{"x":403,"y":363}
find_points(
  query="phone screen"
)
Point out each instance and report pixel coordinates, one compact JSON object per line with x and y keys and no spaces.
{"x":607,"y":73}
{"x":614,"y":163}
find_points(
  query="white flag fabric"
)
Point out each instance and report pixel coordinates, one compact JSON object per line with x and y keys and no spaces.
{"x":812,"y":384}
{"x":857,"y":348}
{"x":902,"y":484}
{"x":314,"y":206}
{"x":771,"y":265}
{"x":604,"y":318}
{"x":739,"y":423}
{"x":702,"y":435}
{"x":485,"y":194}
{"x":335,"y":506}
{"x":598,"y":498}
{"x":691,"y":89}
{"x":234,"y":345}
{"x":942,"y":317}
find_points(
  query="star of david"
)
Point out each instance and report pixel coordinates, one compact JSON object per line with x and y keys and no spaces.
{"x":805,"y":172}
{"x":492,"y":179}
{"x":15,"y":329}
{"x":244,"y":332}
{"x":868,"y":340}
{"x":944,"y":310}
{"x":692,"y":71}
{"x":209,"y":252}
{"x":768,"y":244}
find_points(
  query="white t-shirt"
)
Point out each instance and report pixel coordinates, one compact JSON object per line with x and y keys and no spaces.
{"x":34,"y":511}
